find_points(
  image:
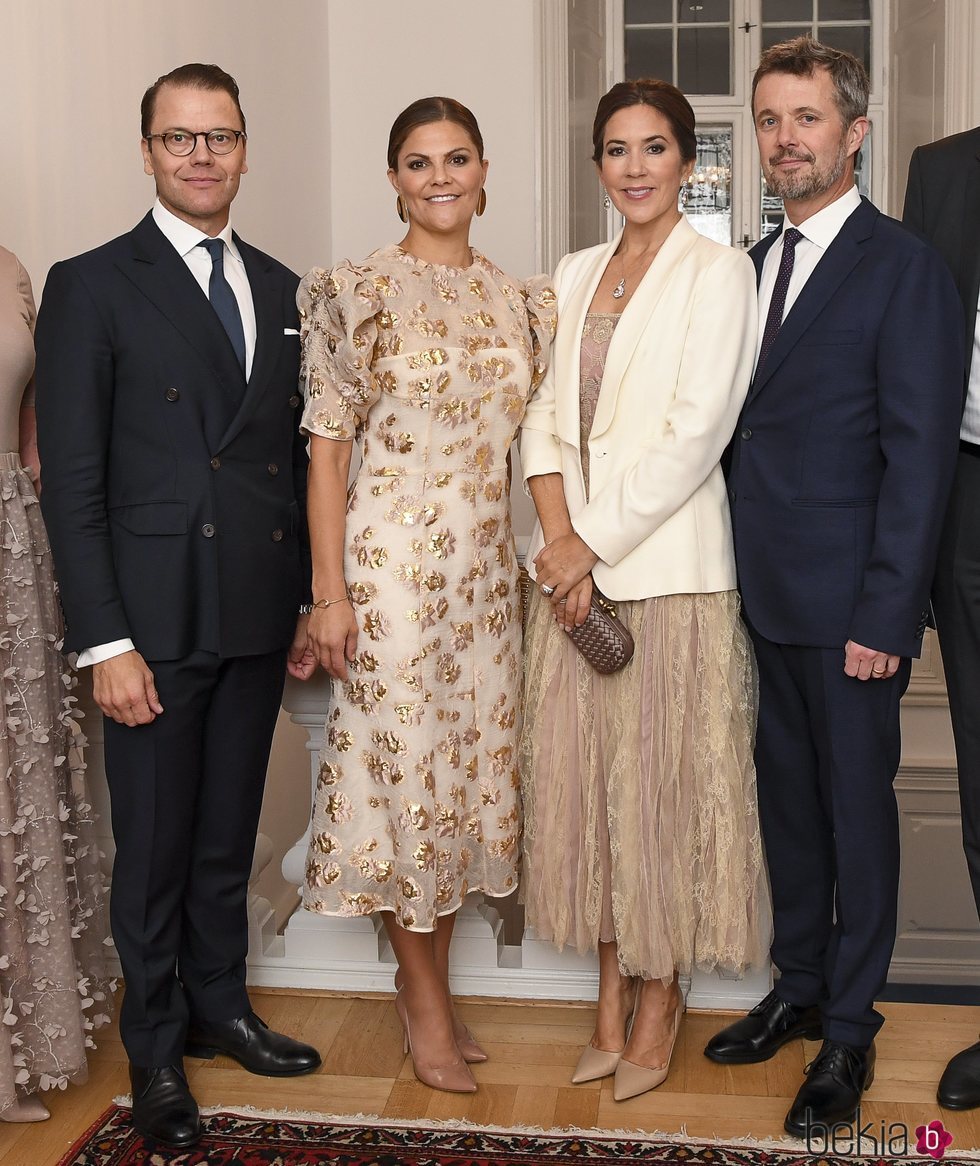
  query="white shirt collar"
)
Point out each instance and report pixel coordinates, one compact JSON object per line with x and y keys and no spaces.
{"x":183,"y":237}
{"x":823,"y":227}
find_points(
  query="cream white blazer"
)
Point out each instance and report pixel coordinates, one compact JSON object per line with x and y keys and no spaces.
{"x":676,"y":374}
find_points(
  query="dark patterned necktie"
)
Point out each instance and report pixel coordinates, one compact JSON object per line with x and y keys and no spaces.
{"x":778,"y":302}
{"x":223,"y":298}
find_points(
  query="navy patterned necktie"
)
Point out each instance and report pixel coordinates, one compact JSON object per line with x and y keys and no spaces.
{"x":223,"y":298}
{"x":778,"y":302}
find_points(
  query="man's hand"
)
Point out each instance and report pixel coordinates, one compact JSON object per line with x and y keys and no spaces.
{"x":561,"y":564}
{"x":301,"y":661}
{"x":867,"y":664}
{"x":124,"y":690}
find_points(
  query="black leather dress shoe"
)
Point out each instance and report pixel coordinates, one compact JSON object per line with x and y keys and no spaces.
{"x":163,"y":1108}
{"x":831,"y":1093}
{"x":254,"y":1045}
{"x":959,"y":1086}
{"x":771,"y":1024}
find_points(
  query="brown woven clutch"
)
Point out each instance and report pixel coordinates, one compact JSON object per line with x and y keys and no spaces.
{"x":604,"y":640}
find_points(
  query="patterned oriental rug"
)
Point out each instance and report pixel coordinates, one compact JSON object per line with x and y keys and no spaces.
{"x":250,"y":1138}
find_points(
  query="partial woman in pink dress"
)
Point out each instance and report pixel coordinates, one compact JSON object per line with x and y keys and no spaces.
{"x":54,"y":988}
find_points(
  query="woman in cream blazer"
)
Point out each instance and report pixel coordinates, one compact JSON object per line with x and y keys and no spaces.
{"x":641,"y":833}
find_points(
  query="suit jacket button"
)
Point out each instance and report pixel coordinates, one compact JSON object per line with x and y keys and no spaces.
{"x":273,"y":469}
{"x":294,"y":400}
{"x":277,"y":535}
{"x":746,"y":433}
{"x":172,"y":395}
{"x":216,"y":463}
{"x":208,"y":530}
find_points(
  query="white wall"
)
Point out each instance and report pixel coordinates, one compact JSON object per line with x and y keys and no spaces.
{"x":71,"y":78}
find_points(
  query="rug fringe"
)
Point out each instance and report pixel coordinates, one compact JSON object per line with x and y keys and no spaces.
{"x":676,"y":1137}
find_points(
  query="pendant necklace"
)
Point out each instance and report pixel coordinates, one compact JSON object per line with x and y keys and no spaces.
{"x":620,"y":289}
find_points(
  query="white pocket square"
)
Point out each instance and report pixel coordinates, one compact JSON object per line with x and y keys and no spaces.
{"x":290,"y":331}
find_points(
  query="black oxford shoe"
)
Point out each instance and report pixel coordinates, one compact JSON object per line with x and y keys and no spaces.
{"x":959,"y":1086}
{"x":759,"y":1035}
{"x":163,"y":1108}
{"x":831,"y":1093}
{"x":254,"y":1045}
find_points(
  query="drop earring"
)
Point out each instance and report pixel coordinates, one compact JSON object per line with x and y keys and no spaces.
{"x":481,"y":206}
{"x":401,"y":209}
{"x":606,"y":201}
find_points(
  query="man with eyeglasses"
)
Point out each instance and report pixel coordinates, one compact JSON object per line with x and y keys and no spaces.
{"x":167,"y":373}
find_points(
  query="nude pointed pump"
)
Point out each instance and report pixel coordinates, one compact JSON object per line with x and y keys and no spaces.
{"x":594,"y":1064}
{"x":471,"y":1051}
{"x":632,"y":1080}
{"x":452,"y":1078}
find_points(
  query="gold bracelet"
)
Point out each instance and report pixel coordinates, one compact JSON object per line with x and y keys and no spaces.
{"x":325,"y":603}
{"x":308,"y":608}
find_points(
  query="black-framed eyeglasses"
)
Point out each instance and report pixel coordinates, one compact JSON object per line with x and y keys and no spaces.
{"x":183,"y":142}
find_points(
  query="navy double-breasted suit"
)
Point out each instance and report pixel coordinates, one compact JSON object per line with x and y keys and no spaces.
{"x":174,"y":499}
{"x":840,"y":470}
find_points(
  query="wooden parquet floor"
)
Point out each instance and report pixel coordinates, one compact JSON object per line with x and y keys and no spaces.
{"x":533,"y":1048}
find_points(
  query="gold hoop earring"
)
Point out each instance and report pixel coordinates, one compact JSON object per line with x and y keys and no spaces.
{"x":606,"y":201}
{"x":481,"y":205}
{"x":401,"y":209}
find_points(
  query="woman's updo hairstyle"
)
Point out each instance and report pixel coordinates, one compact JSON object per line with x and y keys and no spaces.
{"x":425,"y":111}
{"x":659,"y":95}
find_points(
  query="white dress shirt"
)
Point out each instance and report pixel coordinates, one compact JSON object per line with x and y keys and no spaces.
{"x":185,"y":239}
{"x":970,"y":426}
{"x":819,"y":231}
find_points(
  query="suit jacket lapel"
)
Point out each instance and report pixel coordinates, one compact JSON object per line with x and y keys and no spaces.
{"x":568,"y":354}
{"x":162,"y":276}
{"x":843,"y":254}
{"x":268,"y":335}
{"x":636,"y":316}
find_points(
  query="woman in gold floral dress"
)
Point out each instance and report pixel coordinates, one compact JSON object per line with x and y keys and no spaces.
{"x":426,"y":353}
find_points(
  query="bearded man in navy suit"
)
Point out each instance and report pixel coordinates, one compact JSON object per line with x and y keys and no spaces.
{"x":841,"y":467}
{"x":174,"y":486}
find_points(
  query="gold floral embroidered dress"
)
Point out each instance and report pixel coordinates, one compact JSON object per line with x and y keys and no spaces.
{"x":430,"y":367}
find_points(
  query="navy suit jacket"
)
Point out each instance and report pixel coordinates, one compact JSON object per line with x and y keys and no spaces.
{"x":844,"y":454}
{"x":173,"y":492}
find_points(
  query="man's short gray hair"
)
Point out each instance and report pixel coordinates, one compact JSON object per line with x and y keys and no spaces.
{"x":802,"y":55}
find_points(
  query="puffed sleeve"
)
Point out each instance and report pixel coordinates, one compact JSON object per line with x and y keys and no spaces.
{"x":338,"y":332}
{"x":540,"y":448}
{"x":542,"y":318}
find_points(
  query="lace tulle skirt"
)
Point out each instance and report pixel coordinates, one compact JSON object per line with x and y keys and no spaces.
{"x":55,"y":990}
{"x":641,"y":821}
